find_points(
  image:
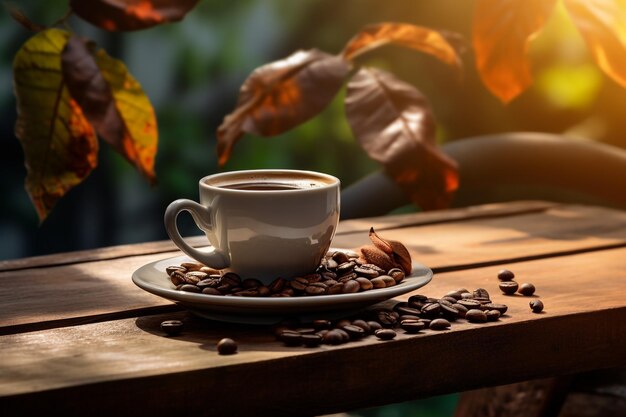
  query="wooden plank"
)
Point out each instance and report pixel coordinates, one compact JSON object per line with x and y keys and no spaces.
{"x":39,"y":297}
{"x":129,"y":367}
{"x":349,"y":226}
{"x":489,"y":241}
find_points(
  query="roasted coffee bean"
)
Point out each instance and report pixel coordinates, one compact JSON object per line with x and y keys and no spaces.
{"x":251,"y":283}
{"x":252,"y":292}
{"x":322,"y":333}
{"x":366,"y":272}
{"x":389,"y":282}
{"x":350,"y":276}
{"x":502,"y":308}
{"x":407,"y":310}
{"x":172,"y":327}
{"x":492,"y":315}
{"x":330,"y":282}
{"x":526,"y":289}
{"x":346,"y":267}
{"x":263,"y":291}
{"x":355,"y":332}
{"x":475,"y":316}
{"x":305,"y":330}
{"x":208,"y":282}
{"x":333,"y":337}
{"x":454,"y":294}
{"x":374,"y":325}
{"x":449,"y":299}
{"x":508,"y":287}
{"x":426,"y":322}
{"x":209,"y":270}
{"x":340,"y":257}
{"x":277,"y":285}
{"x":461,"y":309}
{"x":291,"y":337}
{"x":469,"y":304}
{"x":387,"y":318}
{"x":431,"y":309}
{"x":397,"y":274}
{"x":226,"y":346}
{"x":375,"y":268}
{"x":170,"y":269}
{"x":448,"y":310}
{"x":364,"y":283}
{"x":408,"y":317}
{"x":363,"y":325}
{"x":287,"y":292}
{"x":506,"y":275}
{"x":299,"y":283}
{"x":351,"y":287}
{"x":536,"y":306}
{"x":311,"y":340}
{"x":379,"y":282}
{"x":331,"y":264}
{"x":461,"y":290}
{"x":321,"y":324}
{"x":439,"y":324}
{"x":345,"y":337}
{"x":418,"y":298}
{"x":312,"y":278}
{"x":336,"y":288}
{"x":211,"y":291}
{"x":385,"y":334}
{"x":177,"y":277}
{"x":316,"y":288}
{"x":412,"y":326}
{"x":329,"y":275}
{"x":231,"y":279}
{"x":467,"y":296}
{"x":191,"y":266}
{"x":482,"y":300}
{"x":481,"y":293}
{"x":189,"y":288}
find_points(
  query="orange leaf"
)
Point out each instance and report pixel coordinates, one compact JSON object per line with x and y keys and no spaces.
{"x":113,"y":102}
{"x":602,"y":23}
{"x":403,"y":34}
{"x":281,"y":95}
{"x":502,"y":30}
{"x":116,"y":15}
{"x":393,"y":123}
{"x":60,"y":146}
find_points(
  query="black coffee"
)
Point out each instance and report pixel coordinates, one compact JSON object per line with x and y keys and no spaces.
{"x":264,"y":186}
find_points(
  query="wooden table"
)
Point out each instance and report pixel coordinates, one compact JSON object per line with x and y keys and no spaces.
{"x":77,"y":337}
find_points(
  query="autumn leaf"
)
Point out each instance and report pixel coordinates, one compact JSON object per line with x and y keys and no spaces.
{"x":602,"y":24}
{"x":126,"y":15}
{"x":113,"y":101}
{"x":403,"y":34}
{"x":280,"y":95}
{"x":502,"y":30}
{"x":60,"y":146}
{"x":393,"y":123}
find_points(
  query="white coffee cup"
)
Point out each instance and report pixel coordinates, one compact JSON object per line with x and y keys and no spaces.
{"x":262,"y":224}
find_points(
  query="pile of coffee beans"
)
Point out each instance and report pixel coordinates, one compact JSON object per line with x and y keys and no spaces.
{"x":341,"y":272}
{"x":417,"y":314}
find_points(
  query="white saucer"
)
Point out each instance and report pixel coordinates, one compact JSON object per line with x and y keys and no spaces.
{"x":269,"y":310}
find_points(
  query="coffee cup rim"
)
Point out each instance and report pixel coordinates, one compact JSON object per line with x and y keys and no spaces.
{"x":333,"y":181}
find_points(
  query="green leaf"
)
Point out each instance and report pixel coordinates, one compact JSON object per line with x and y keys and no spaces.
{"x":60,"y":146}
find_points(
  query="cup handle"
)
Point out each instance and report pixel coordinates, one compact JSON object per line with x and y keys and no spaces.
{"x":215,"y":258}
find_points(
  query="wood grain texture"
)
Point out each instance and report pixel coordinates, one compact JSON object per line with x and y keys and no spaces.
{"x":37,"y":298}
{"x":128,"y":367}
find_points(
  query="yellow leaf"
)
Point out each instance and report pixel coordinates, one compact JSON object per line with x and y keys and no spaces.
{"x":60,"y":146}
{"x":602,"y":23}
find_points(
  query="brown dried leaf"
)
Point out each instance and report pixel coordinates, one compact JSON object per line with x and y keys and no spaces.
{"x":396,"y":250}
{"x":403,"y":34}
{"x":373,"y":255}
{"x":60,"y":145}
{"x":602,"y":24}
{"x":281,"y":95}
{"x":502,"y":30}
{"x":118,"y":15}
{"x":393,"y":123}
{"x":113,"y":102}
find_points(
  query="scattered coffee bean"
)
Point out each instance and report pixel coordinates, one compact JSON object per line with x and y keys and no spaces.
{"x":355,"y":332}
{"x":385,"y":334}
{"x":321,"y":324}
{"x":506,"y":275}
{"x":439,"y":324}
{"x":492,"y":315}
{"x":374,"y":325}
{"x":172,"y":327}
{"x":481,"y":293}
{"x":536,"y":306}
{"x":412,"y":326}
{"x":311,"y":340}
{"x":475,"y":316}
{"x":461,"y":309}
{"x":226,"y":346}
{"x":469,"y":304}
{"x":387,"y":318}
{"x":509,"y":287}
{"x":502,"y":308}
{"x":363,"y":325}
{"x":526,"y":289}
